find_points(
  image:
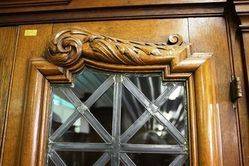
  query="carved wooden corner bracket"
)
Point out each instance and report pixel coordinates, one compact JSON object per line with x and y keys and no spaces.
{"x":74,"y":49}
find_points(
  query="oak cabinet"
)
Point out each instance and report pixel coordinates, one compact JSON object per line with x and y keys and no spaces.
{"x":204,"y":53}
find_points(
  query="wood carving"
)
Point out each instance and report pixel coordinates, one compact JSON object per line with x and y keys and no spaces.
{"x":74,"y":49}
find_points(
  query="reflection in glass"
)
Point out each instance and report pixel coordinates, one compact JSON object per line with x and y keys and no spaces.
{"x":79,"y":158}
{"x":151,"y":159}
{"x":149,"y":115}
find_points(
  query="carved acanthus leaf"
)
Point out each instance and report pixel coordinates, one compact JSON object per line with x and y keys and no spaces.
{"x":73,"y":49}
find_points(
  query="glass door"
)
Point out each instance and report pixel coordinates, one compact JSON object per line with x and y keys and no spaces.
{"x":98,"y":100}
{"x":118,"y":119}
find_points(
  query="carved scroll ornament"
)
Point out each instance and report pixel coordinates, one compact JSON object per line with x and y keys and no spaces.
{"x":74,"y":49}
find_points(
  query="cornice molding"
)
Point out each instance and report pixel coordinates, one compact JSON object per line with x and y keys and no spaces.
{"x":32,"y":3}
{"x":73,"y":49}
{"x":244,"y":27}
{"x":242,"y":11}
{"x":90,"y":4}
{"x":73,"y":11}
{"x":241,"y":7}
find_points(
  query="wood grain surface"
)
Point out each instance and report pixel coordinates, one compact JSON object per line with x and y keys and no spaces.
{"x":27,"y":47}
{"x":8,"y":39}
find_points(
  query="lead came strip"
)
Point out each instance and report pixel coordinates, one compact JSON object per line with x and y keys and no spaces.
{"x":54,"y":156}
{"x":86,"y":147}
{"x":103,"y":160}
{"x":116,"y":120}
{"x":126,"y":159}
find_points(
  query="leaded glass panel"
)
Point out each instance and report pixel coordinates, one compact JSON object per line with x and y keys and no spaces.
{"x":118,"y":119}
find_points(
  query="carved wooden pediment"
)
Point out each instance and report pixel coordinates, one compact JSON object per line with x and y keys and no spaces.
{"x":74,"y":49}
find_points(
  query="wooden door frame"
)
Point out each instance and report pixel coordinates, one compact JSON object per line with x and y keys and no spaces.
{"x":71,"y":50}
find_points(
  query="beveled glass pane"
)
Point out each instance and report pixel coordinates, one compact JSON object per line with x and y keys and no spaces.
{"x":87,"y":82}
{"x":79,"y":158}
{"x":132,"y":109}
{"x":174,"y":109}
{"x":81,"y":133}
{"x":152,"y":159}
{"x":61,"y":109}
{"x":102,"y":109}
{"x":150,"y":85}
{"x":147,"y":136}
{"x":80,"y":130}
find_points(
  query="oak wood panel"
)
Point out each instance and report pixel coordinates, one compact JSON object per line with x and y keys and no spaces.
{"x":149,"y":30}
{"x":209,"y":35}
{"x":7,"y":55}
{"x":28,"y":46}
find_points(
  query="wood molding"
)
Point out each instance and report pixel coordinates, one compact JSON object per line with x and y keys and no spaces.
{"x":242,"y":11}
{"x":34,"y":135}
{"x":241,"y":7}
{"x":95,"y":4}
{"x":31,"y":3}
{"x":207,"y":115}
{"x":81,"y":13}
{"x":70,"y":52}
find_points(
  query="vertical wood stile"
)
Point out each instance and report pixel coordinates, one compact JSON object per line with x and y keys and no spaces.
{"x":207,"y":116}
